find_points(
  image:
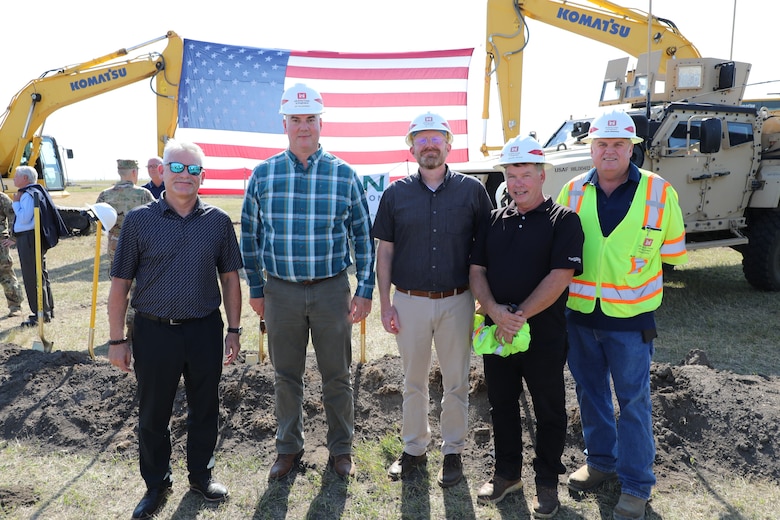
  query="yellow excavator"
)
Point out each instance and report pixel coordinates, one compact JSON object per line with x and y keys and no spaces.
{"x":22,"y":141}
{"x":630,"y":30}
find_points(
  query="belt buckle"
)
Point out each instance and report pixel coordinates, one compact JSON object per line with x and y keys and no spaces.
{"x":171,"y":321}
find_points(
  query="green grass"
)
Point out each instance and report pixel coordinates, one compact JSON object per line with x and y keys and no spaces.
{"x":708,"y":305}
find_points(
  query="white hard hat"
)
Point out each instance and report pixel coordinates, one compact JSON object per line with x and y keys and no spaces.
{"x":520,"y":150}
{"x":428,"y":121}
{"x":613,"y":125}
{"x":105,"y":213}
{"x":301,"y":100}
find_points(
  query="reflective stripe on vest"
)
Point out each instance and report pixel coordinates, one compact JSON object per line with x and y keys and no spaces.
{"x":618,"y":298}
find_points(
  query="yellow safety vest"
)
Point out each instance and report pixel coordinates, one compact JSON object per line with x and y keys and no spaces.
{"x":624,"y":269}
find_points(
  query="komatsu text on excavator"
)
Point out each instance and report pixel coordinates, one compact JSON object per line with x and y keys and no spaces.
{"x":722,"y":157}
{"x":21,"y":126}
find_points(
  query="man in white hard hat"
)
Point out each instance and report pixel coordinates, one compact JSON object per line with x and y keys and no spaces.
{"x":302,"y":211}
{"x":632,"y":222}
{"x":523,"y":260}
{"x":425,"y":225}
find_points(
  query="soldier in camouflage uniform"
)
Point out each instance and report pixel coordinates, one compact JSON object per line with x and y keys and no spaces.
{"x":13,"y":291}
{"x":124,"y":196}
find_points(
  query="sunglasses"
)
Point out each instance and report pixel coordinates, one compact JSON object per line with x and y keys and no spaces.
{"x":192,"y":169}
{"x":423,"y":141}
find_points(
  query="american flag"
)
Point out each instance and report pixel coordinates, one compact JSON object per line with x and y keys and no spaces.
{"x":229,"y":104}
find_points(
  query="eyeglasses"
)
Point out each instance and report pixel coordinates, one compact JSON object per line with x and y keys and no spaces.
{"x":423,"y":141}
{"x":192,"y":169}
{"x":152,"y":165}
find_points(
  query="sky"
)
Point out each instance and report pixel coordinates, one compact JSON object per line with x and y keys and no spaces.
{"x":562,"y":71}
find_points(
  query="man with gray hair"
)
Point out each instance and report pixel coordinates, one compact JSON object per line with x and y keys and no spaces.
{"x":52,"y":228}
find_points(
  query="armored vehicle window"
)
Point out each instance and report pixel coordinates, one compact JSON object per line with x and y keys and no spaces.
{"x":740,"y":133}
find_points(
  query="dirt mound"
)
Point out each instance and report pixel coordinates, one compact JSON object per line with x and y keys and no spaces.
{"x":705,"y":421}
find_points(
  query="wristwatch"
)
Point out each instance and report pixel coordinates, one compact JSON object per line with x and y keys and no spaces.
{"x":235,"y":330}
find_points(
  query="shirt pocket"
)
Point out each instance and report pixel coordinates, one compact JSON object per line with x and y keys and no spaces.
{"x":459,"y":221}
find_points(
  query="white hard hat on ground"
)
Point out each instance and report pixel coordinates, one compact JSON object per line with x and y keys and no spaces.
{"x":301,"y":99}
{"x":105,"y":213}
{"x":428,"y":121}
{"x":521,"y":150}
{"x":613,"y":125}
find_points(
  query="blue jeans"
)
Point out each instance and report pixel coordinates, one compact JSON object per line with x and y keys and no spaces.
{"x":293,"y":311}
{"x":627,"y":447}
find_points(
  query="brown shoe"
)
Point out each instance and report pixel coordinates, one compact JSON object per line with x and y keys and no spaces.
{"x":629,"y":507}
{"x":405,"y":464}
{"x":587,"y":478}
{"x":284,"y":464}
{"x":342,"y":465}
{"x":495,"y":489}
{"x":546,"y":502}
{"x":451,"y":470}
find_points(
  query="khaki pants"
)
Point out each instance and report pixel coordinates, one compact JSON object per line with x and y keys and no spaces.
{"x":448,"y":323}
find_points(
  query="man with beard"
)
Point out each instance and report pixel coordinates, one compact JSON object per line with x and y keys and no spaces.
{"x":425,"y":225}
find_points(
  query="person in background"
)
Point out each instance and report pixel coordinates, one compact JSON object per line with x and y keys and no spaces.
{"x":179,"y":250}
{"x":302,"y":211}
{"x":523,"y":260}
{"x":425,"y":225}
{"x":13,"y":291}
{"x":123,"y":196}
{"x":155,"y":168}
{"x":632,"y":222}
{"x":52,"y":228}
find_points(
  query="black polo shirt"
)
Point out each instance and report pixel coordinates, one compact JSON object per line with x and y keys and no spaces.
{"x":518,"y":251}
{"x":432,"y":231}
{"x":176,"y":260}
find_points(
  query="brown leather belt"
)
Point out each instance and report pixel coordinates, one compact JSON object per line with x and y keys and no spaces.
{"x":434,"y":295}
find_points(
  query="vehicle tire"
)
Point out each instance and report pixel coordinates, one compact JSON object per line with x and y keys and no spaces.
{"x":761,"y":256}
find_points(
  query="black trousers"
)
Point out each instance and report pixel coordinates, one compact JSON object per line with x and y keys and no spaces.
{"x":163,"y":354}
{"x":542,"y":368}
{"x":25,"y":245}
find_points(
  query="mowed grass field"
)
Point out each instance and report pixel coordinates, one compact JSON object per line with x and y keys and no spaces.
{"x":708,"y":305}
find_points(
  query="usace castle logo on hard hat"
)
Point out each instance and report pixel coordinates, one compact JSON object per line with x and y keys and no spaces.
{"x":428,"y":119}
{"x":301,"y":95}
{"x":612,"y":122}
{"x":514,"y":149}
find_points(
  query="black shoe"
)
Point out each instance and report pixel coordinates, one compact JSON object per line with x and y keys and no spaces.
{"x":451,"y":471}
{"x":211,"y":490}
{"x":405,"y":464}
{"x":152,"y":501}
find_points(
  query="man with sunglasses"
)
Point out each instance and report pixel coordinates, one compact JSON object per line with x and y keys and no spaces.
{"x":302,"y":211}
{"x":180,"y":251}
{"x":426,"y":225}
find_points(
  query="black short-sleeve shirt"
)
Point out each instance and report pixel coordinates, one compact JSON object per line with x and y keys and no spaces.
{"x":519,"y":250}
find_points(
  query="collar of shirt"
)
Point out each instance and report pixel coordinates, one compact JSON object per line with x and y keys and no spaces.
{"x":304,"y":168}
{"x":511,"y":208}
{"x":633,"y":175}
{"x":447,"y":177}
{"x":165,"y":207}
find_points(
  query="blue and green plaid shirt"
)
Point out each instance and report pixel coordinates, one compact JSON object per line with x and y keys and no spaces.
{"x":298,"y":220}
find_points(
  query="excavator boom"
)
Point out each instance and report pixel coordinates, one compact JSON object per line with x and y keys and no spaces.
{"x":630,"y":30}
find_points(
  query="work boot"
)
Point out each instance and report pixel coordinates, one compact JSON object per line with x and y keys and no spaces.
{"x":153,"y":499}
{"x":546,"y":502}
{"x":587,"y":478}
{"x":284,"y":464}
{"x":211,"y":490}
{"x":342,"y":465}
{"x":451,"y":470}
{"x":495,"y":489}
{"x":405,"y":464}
{"x":14,"y":311}
{"x":629,"y":507}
